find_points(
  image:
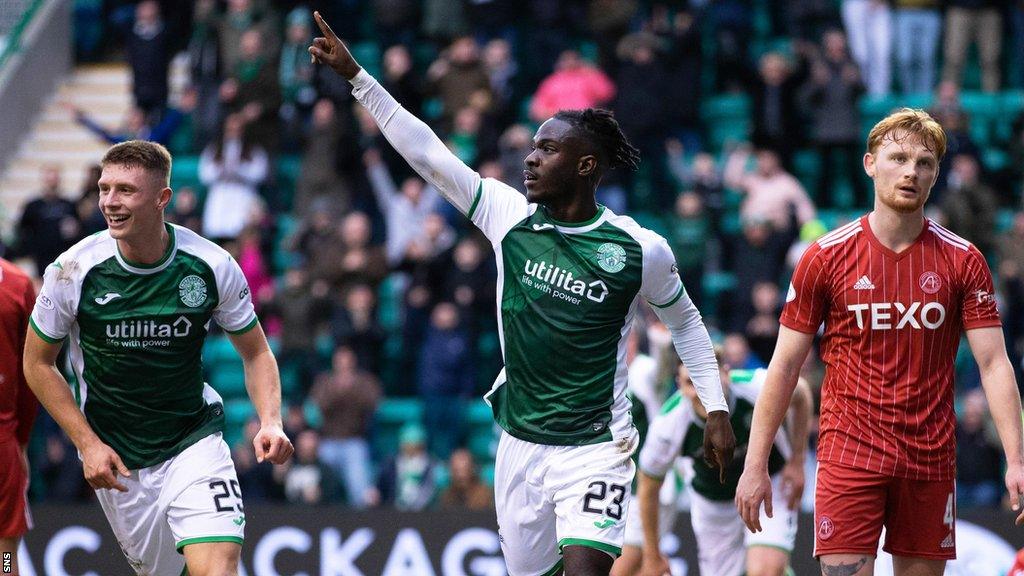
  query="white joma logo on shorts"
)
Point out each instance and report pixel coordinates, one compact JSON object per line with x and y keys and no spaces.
{"x":882,"y":315}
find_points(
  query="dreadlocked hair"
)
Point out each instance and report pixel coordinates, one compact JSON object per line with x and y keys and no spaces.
{"x":600,"y":125}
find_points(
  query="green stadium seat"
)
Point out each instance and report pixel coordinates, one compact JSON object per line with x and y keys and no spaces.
{"x":995,"y":159}
{"x":185,"y":172}
{"x":487,"y":474}
{"x":399,"y":411}
{"x":478,"y":413}
{"x":236,"y":414}
{"x":288,"y":168}
{"x":368,"y":56}
{"x":229,"y":380}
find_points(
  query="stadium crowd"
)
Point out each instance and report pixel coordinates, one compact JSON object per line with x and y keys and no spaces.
{"x":750,"y":117}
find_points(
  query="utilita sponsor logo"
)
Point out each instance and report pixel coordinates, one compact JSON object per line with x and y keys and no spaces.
{"x":149,"y":329}
{"x":567,"y":287}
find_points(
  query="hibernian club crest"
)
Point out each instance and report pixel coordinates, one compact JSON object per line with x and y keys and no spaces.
{"x":611,"y":257}
{"x":192,"y":290}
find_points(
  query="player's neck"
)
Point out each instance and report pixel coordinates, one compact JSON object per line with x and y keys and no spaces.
{"x":896,"y":230}
{"x":572,"y":210}
{"x":147,"y":249}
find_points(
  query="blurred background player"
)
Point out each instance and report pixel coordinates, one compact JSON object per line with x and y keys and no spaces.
{"x":724,"y":548}
{"x":17,"y":408}
{"x":563,"y":465}
{"x":895,"y":291}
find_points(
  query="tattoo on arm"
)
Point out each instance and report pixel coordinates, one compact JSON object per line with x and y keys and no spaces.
{"x":843,"y":569}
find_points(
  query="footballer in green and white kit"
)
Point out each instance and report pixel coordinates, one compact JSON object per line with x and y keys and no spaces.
{"x":135,"y":335}
{"x":567,"y":293}
{"x":722,"y":539}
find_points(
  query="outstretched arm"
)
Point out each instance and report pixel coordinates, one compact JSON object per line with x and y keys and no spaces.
{"x":410,"y":136}
{"x":264,"y":387}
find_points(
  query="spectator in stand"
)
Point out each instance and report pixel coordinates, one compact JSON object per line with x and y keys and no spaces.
{"x":347,"y":397}
{"x":503,"y":72}
{"x":969,"y":22}
{"x":308,"y":480}
{"x":356,"y":260}
{"x":252,"y":88}
{"x":49,"y":224}
{"x":205,"y":67}
{"x":401,"y":80}
{"x":949,"y":112}
{"x":1011,"y":286}
{"x":689,"y":232}
{"x":513,"y":146}
{"x":405,"y":210}
{"x":184,"y":210}
{"x":774,"y":90}
{"x":465,"y":139}
{"x":444,"y":20}
{"x":465,"y":489}
{"x":969,"y":205}
{"x":682,"y":37}
{"x":320,"y":183}
{"x":978,"y":457}
{"x":446,"y":378}
{"x":732,"y":22}
{"x":61,"y":470}
{"x":831,"y":95}
{"x":868,"y":25}
{"x":295,"y":73}
{"x":241,"y":17}
{"x":607,"y":22}
{"x":575,"y":84}
{"x":701,"y":176}
{"x":135,"y":126}
{"x":1015,"y":78}
{"x":762,"y":331}
{"x":770,"y":192}
{"x":302,"y":308}
{"x":395,"y":23}
{"x":459,"y":79}
{"x":408,"y":480}
{"x":87,"y":206}
{"x":248,"y":252}
{"x":354,"y":324}
{"x":148,"y":50}
{"x":736,"y":353}
{"x":918,"y":28}
{"x":806,"y":20}
{"x":758,"y":255}
{"x":232,"y":168}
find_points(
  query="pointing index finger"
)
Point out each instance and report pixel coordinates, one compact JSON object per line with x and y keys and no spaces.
{"x":324,"y":26}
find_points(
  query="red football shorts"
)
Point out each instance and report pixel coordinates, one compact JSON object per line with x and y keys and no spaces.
{"x":13,"y":485}
{"x":851,"y":506}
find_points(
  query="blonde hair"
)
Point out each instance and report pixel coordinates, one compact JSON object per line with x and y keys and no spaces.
{"x":907,"y":122}
{"x":149,"y":156}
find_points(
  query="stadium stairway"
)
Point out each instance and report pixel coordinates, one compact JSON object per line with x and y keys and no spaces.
{"x":104,"y":92}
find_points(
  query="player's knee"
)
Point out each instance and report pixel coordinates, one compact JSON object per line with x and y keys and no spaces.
{"x":767,"y":569}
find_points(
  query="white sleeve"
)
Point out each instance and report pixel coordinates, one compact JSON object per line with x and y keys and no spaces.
{"x":234,"y":312}
{"x":664,"y":440}
{"x":494,"y":207}
{"x":57,"y":303}
{"x":664,"y":291}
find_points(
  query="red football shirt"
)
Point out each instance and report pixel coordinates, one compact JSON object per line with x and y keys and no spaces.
{"x":892,"y":327}
{"x":17,"y":403}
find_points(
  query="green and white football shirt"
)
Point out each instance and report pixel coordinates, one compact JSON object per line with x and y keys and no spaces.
{"x":677,"y":431}
{"x":136,"y":336}
{"x":567,"y":294}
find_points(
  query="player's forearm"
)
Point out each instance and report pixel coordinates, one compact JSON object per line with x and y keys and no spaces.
{"x":54,"y":394}
{"x":263,"y":383}
{"x":417,"y":143}
{"x":647,"y":492}
{"x":693,"y":344}
{"x":771,"y":407}
{"x":1005,"y":406}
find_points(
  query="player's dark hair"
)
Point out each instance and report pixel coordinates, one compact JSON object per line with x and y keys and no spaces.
{"x":149,"y":156}
{"x":601,"y":127}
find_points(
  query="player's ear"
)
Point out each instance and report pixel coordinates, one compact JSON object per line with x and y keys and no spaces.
{"x":587,"y":165}
{"x":164,"y":199}
{"x":869,"y":164}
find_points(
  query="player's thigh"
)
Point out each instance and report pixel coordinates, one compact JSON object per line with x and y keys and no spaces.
{"x":766,"y":561}
{"x":719,"y":532}
{"x":13,"y":484}
{"x":849,"y":510}
{"x":139,"y":522}
{"x":202,"y":496}
{"x":921,"y":521}
{"x":590,"y":487}
{"x":526,"y":517}
{"x":212,"y":558}
{"x":581,"y":560}
{"x":847,"y":564}
{"x":907,"y":566}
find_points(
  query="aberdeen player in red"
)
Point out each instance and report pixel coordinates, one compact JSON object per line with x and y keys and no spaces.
{"x":17,"y":407}
{"x":895,"y":292}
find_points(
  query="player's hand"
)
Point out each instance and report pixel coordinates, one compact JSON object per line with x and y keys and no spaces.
{"x":272,"y":444}
{"x":1015,"y":485}
{"x":654,"y":565}
{"x":754,"y":489}
{"x":793,"y":483}
{"x":719,"y":442}
{"x":330,"y":50}
{"x":102,"y":466}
